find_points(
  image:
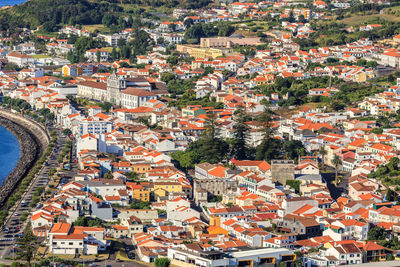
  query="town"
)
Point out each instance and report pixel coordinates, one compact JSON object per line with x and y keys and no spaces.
{"x":224,"y":134}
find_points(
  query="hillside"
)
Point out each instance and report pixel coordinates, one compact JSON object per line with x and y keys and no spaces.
{"x":37,"y":12}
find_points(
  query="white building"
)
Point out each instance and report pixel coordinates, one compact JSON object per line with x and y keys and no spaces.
{"x":20,"y":59}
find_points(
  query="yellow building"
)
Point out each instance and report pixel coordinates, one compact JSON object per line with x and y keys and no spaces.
{"x":72,"y":70}
{"x":139,"y":192}
{"x":215,"y":220}
{"x":363,"y":77}
{"x":198,"y":52}
{"x":163,"y":189}
{"x":140,"y":168}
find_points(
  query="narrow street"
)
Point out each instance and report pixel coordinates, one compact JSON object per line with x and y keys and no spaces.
{"x":341,"y":189}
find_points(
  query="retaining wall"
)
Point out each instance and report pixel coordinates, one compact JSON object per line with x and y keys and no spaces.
{"x":33,"y":139}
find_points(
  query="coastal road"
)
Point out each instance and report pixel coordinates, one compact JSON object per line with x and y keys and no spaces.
{"x":13,"y":224}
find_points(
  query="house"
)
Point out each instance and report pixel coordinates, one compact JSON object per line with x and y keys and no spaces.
{"x":65,"y":239}
{"x":254,"y":166}
{"x":20,"y":59}
{"x":304,"y":227}
{"x":97,"y":55}
{"x":345,"y":254}
{"x":320,"y":4}
{"x":373,"y":252}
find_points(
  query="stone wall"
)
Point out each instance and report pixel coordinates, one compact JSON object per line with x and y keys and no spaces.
{"x":33,"y":140}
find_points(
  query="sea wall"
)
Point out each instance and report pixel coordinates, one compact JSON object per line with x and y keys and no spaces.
{"x":33,"y":139}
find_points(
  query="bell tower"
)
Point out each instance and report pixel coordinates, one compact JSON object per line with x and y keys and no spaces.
{"x":114,"y":85}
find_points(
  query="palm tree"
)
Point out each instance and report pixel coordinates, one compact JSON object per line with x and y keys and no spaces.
{"x":323,"y":152}
{"x":336,"y":162}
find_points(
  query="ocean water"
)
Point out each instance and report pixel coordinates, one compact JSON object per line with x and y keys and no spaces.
{"x":11,"y":2}
{"x":9,"y":152}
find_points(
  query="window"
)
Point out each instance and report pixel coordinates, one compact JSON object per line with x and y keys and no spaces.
{"x":70,"y":243}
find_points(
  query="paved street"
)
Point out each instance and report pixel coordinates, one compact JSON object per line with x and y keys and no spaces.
{"x":14,"y":225}
{"x":336,"y":191}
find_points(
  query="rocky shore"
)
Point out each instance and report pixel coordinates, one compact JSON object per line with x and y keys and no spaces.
{"x":29,"y":153}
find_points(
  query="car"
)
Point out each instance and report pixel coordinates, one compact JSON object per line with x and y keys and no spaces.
{"x":16,"y":214}
{"x":131,"y":255}
{"x":6,"y":230}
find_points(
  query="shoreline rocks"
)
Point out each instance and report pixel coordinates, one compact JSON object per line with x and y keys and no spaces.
{"x":30,"y":151}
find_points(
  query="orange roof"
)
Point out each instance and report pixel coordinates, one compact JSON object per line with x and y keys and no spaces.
{"x":60,"y":228}
{"x":218,"y":171}
{"x":303,"y":209}
{"x":357,"y":142}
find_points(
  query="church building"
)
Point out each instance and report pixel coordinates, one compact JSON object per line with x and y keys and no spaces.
{"x":125,"y":92}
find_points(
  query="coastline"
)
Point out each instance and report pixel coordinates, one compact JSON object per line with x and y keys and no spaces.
{"x":30,"y":150}
{"x":14,"y":3}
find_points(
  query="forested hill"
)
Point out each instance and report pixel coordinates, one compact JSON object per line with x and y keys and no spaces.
{"x":37,"y":12}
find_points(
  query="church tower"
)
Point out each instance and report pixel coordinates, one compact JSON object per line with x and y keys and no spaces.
{"x":114,"y":85}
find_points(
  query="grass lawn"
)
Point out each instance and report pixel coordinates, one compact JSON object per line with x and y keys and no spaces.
{"x":122,"y":255}
{"x":92,"y":28}
{"x":40,"y":251}
{"x":40,"y":56}
{"x":287,"y":113}
{"x":64,"y":257}
{"x":109,"y":49}
{"x":93,"y":257}
{"x":360,"y":19}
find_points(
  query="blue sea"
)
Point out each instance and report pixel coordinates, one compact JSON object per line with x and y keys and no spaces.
{"x":11,"y":2}
{"x":9,"y":152}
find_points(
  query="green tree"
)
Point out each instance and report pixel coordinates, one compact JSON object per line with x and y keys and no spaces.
{"x":336,"y":162}
{"x":162,"y":262}
{"x":211,"y":129}
{"x":322,"y":153}
{"x":270,"y":147}
{"x":376,"y":233}
{"x":295,"y":184}
{"x":140,"y":43}
{"x":391,"y":195}
{"x":142,"y":205}
{"x":188,"y":22}
{"x":108,"y":175}
{"x":114,"y":54}
{"x":240,"y":135}
{"x":293,"y":149}
{"x":393,"y":164}
{"x":372,"y":64}
{"x":27,"y":244}
{"x":67,"y":132}
{"x":98,"y":58}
